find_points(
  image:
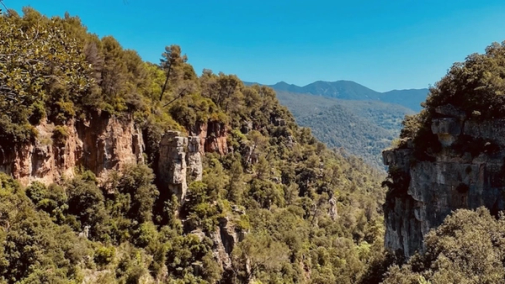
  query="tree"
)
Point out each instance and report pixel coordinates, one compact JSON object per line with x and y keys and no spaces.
{"x":171,"y":58}
{"x":466,"y":248}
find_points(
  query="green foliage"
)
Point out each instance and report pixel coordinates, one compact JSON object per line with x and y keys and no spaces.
{"x":466,"y":248}
{"x":52,"y":200}
{"x":474,"y":85}
{"x":104,"y":255}
{"x":60,"y":134}
{"x":296,"y":211}
{"x":136,"y":187}
{"x":362,"y":128}
{"x":86,"y":203}
{"x":34,"y":249}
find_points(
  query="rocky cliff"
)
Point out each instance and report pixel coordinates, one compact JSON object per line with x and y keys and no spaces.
{"x":212,"y":136}
{"x":106,"y":143}
{"x":101,"y":144}
{"x":467,"y":170}
{"x":179,"y":157}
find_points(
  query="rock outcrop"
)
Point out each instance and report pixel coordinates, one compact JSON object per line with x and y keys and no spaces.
{"x":213,"y":137}
{"x":467,"y":171}
{"x":101,"y":144}
{"x":194,"y":158}
{"x":172,"y":165}
{"x":179,"y":158}
{"x":225,"y":238}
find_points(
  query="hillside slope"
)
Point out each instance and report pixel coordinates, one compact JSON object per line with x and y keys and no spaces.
{"x":451,"y":155}
{"x":116,"y":170}
{"x":349,"y":90}
{"x":340,"y":128}
{"x":362,"y":128}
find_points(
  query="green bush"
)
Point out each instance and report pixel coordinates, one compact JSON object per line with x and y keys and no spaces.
{"x":104,"y":255}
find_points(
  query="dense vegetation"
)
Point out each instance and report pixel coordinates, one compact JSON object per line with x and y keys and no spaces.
{"x":475,"y":86}
{"x":308,"y":215}
{"x":362,"y":128}
{"x":467,"y":248}
{"x":342,"y":129}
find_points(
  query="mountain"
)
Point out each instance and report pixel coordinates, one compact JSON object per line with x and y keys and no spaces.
{"x":338,"y":127}
{"x":411,"y":98}
{"x":340,"y":89}
{"x":116,"y":170}
{"x":349,"y":90}
{"x":328,"y":108}
{"x":362,"y":128}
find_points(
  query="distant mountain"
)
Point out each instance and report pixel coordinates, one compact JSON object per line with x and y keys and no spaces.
{"x":409,"y":98}
{"x":349,"y":90}
{"x":362,"y":128}
{"x":340,"y":128}
{"x":349,"y":115}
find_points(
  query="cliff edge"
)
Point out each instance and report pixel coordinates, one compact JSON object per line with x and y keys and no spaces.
{"x":451,"y":155}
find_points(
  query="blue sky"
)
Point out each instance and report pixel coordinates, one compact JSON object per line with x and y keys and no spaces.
{"x":384,"y":45}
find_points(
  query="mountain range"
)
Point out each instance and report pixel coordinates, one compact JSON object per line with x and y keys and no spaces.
{"x":349,"y":90}
{"x":345,"y":114}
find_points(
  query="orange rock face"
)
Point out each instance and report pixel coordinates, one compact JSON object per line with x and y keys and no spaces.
{"x":102,"y":144}
{"x":213,"y":137}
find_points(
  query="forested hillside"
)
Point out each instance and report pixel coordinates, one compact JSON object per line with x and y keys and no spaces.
{"x":445,"y":182}
{"x":342,"y":129}
{"x":273,"y":206}
{"x":349,"y":90}
{"x":362,"y":128}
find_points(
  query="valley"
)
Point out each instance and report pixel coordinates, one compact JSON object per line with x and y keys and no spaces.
{"x":115,"y":169}
{"x":349,"y":116}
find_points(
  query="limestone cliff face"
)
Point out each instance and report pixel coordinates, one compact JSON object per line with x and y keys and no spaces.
{"x":172,"y":164}
{"x":179,"y":157}
{"x":225,"y":238}
{"x":106,"y":143}
{"x":467,"y":172}
{"x":100,"y":144}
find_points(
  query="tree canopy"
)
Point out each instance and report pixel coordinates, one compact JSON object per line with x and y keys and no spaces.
{"x":303,"y":213}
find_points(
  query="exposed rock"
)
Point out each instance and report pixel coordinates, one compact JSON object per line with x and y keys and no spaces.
{"x":333,"y":209}
{"x":237,"y":209}
{"x":447,"y":130}
{"x":225,"y":239}
{"x":199,"y":233}
{"x":247,"y":126}
{"x":102,"y":144}
{"x":194,"y":158}
{"x":278,"y":121}
{"x":85,"y":232}
{"x":493,"y":130}
{"x":198,"y":268}
{"x":172,"y":164}
{"x":290,"y":141}
{"x":397,"y":157}
{"x":213,"y":137}
{"x":450,"y":111}
{"x":424,"y":192}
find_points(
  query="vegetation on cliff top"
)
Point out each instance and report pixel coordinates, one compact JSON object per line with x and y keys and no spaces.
{"x":475,"y":86}
{"x":75,"y":230}
{"x":467,"y":247}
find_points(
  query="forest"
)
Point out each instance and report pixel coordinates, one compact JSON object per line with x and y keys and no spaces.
{"x":300,"y":212}
{"x":307,"y":214}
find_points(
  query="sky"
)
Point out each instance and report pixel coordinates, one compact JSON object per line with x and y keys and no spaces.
{"x":381,"y":44}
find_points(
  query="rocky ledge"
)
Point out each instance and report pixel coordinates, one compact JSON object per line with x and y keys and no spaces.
{"x":466,"y":172}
